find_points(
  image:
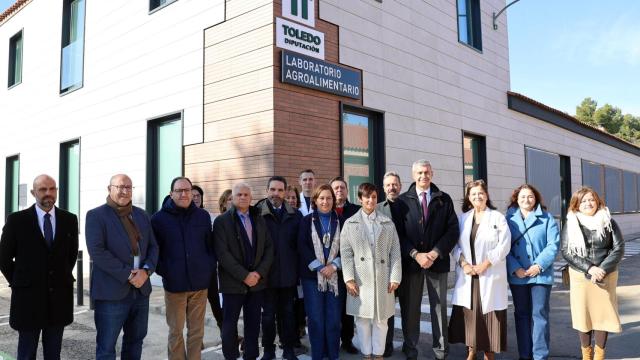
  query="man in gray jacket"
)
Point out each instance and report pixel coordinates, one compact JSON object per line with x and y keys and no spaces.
{"x":245,"y":254}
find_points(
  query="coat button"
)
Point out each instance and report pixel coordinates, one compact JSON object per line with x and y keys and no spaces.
{"x":518,"y":257}
{"x":528,"y":257}
{"x":361,"y":259}
{"x":382,"y":261}
{"x":517,"y":243}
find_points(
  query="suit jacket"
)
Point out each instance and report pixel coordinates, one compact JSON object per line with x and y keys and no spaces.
{"x":40,"y":278}
{"x":440,"y":232}
{"x":110,"y":250}
{"x":348,"y":210}
{"x":230,"y":250}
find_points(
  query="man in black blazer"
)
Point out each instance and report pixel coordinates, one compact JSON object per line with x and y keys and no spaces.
{"x":245,"y":253}
{"x":345,"y":210}
{"x":38,"y":251}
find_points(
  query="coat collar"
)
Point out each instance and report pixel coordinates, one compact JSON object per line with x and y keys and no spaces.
{"x":357,"y":217}
{"x":514,"y":214}
{"x":264,"y":208}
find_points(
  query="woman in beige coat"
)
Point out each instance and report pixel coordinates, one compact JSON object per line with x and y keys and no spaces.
{"x":370,"y":253}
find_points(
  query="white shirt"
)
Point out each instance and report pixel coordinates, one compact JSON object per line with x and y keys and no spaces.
{"x":370,"y":226}
{"x":41,"y":214}
{"x":428,"y":191}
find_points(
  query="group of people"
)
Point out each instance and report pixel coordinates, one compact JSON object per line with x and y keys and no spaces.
{"x":349,"y":261}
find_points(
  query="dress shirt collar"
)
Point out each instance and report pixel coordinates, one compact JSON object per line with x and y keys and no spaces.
{"x":419,"y":193}
{"x":40,"y":213}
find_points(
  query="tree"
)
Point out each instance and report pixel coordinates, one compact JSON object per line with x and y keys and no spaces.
{"x":609,"y":117}
{"x":586,"y":109}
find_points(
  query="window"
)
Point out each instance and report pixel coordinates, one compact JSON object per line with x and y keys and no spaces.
{"x":164,"y":158}
{"x":469,"y":23}
{"x":630,"y":191}
{"x":15,"y":60}
{"x":12,"y":185}
{"x":362,"y":149}
{"x":613,"y":189}
{"x":593,"y":176}
{"x":70,"y":176}
{"x":553,"y":185}
{"x":72,"y":61}
{"x":158,"y":4}
{"x":474,"y":155}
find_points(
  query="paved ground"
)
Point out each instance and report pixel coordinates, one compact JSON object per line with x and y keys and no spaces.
{"x":79,"y":341}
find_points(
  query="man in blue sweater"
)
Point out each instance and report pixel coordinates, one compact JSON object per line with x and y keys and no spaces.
{"x":186,"y":263}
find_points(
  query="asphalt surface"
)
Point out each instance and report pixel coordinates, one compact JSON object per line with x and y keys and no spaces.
{"x":79,"y":337}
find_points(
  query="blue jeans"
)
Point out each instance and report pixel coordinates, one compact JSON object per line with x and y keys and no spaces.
{"x":130,"y":314}
{"x":324,"y":311}
{"x":531,"y":313}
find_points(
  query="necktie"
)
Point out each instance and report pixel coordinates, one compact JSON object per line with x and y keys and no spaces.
{"x":247,"y":227}
{"x":48,"y":230}
{"x":425,"y":208}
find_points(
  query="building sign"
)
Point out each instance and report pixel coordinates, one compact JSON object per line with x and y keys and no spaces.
{"x":320,"y":75}
{"x":302,"y":39}
{"x":302,"y":11}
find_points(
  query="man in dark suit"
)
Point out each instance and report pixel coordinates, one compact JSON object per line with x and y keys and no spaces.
{"x":428,"y":231}
{"x":245,"y":254}
{"x":123,"y":248}
{"x":38,"y":251}
{"x":345,"y":210}
{"x":392,"y":186}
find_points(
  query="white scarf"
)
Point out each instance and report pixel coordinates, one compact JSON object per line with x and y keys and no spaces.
{"x":332,"y":282}
{"x":600,"y":222}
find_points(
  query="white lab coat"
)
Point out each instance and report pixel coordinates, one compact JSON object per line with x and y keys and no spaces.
{"x":493,"y":242}
{"x":303,"y":206}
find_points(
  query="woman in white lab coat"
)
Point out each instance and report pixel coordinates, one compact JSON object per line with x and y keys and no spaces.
{"x":479,"y":316}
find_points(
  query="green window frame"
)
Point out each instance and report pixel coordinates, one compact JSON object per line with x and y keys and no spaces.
{"x":69,"y":188}
{"x":16,"y":45}
{"x":72,"y":48}
{"x":474,"y":157}
{"x":12,"y":185}
{"x":165,"y":158}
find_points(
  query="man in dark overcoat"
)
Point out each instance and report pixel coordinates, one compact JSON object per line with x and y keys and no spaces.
{"x":38,"y":251}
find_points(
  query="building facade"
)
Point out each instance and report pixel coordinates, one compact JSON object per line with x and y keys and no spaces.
{"x":223,"y":91}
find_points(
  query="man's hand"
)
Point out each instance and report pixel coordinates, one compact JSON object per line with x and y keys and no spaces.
{"x":423,"y":260}
{"x":328,"y":270}
{"x":139,"y":277}
{"x":252,"y":279}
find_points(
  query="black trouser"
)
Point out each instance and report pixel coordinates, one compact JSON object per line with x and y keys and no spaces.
{"x":51,"y":343}
{"x":214,"y":299}
{"x":346,"y":331}
{"x":278,"y":306}
{"x":390,"y":325}
{"x":411,"y":290}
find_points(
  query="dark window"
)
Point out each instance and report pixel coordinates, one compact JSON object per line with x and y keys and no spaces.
{"x":158,"y":4}
{"x":469,"y":24}
{"x":551,"y":183}
{"x":15,"y":59}
{"x":593,"y":176}
{"x":362,"y":148}
{"x":474,"y":157}
{"x":70,"y":176}
{"x":72,"y":62}
{"x":613,"y":189}
{"x":164,"y":158}
{"x":12,"y":185}
{"x":630,"y":191}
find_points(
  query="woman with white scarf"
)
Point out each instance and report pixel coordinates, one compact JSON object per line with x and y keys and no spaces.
{"x":372,"y":269}
{"x":319,"y":262}
{"x":593,"y":246}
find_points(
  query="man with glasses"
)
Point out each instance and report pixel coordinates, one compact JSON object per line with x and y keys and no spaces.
{"x":186,"y":263}
{"x":38,"y":251}
{"x":245,"y":254}
{"x":124,"y":253}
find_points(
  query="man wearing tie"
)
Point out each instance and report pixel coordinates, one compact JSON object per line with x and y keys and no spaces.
{"x":428,"y":231}
{"x":38,"y":250}
{"x":245,"y":254}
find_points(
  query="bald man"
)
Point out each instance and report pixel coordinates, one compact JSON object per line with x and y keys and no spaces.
{"x":123,"y":248}
{"x":38,"y":251}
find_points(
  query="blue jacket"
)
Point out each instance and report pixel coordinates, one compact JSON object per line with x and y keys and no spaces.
{"x":284,"y":237}
{"x":187,"y":258}
{"x":306,"y":252}
{"x":539,"y":245}
{"x":110,"y":249}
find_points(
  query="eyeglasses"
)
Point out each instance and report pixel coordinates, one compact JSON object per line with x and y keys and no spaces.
{"x":184,"y":191}
{"x":123,"y":188}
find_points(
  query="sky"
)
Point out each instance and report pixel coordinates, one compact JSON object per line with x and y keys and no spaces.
{"x":562,"y":51}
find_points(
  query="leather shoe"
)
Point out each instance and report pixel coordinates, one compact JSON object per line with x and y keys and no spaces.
{"x":348,"y":347}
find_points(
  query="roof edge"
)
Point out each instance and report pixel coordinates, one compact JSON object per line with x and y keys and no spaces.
{"x":13,"y":9}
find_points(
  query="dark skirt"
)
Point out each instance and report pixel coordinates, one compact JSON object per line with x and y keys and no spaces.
{"x":483,"y":332}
